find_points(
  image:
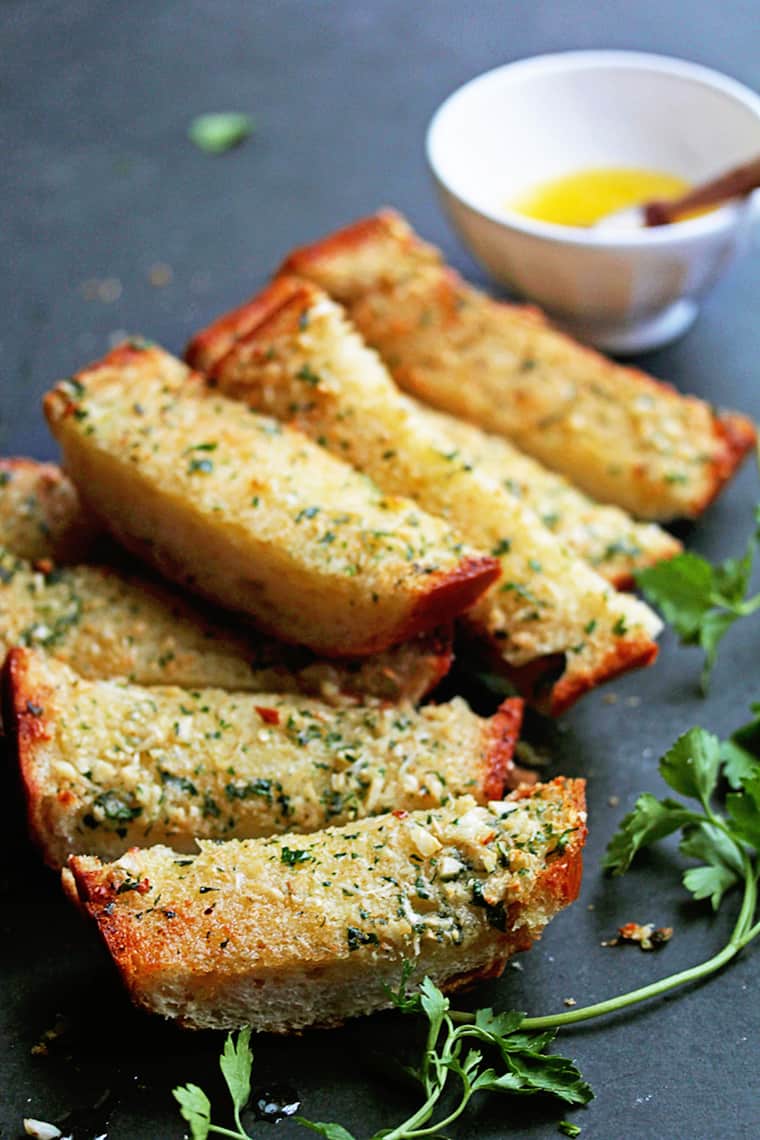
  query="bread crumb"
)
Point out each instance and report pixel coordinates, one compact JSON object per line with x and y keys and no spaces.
{"x":646,"y":935}
{"x":610,"y":698}
{"x":614,"y":801}
{"x":570,"y":1002}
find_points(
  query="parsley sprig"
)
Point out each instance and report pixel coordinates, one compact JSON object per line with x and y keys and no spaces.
{"x":467,"y":1053}
{"x":702,"y":601}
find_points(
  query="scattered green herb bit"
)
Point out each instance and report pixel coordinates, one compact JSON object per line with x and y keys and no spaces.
{"x":357,"y":938}
{"x":702,"y":601}
{"x":567,"y":1128}
{"x":620,"y":628}
{"x":503,"y":546}
{"x":522,"y":592}
{"x":201,"y":447}
{"x":293,"y":856}
{"x":115,"y":807}
{"x":496,"y":913}
{"x":220,"y":131}
{"x":5,"y":478}
{"x":204,"y":465}
{"x":181,"y":783}
{"x":211,"y":809}
{"x":257,"y":787}
{"x":308,"y":375}
{"x":307,"y":513}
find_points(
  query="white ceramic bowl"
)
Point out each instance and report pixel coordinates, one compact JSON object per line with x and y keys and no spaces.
{"x":520,"y":125}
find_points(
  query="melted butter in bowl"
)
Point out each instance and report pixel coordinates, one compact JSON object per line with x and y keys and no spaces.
{"x":587,"y":196}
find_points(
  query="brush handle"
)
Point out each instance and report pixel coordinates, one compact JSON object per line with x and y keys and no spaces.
{"x":736,"y":183}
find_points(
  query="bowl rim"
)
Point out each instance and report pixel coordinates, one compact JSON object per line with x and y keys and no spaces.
{"x":708,"y":225}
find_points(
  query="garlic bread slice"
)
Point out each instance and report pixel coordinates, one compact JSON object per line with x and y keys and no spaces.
{"x":254,"y":515}
{"x":107,"y":765}
{"x":296,"y":931}
{"x":549,"y":613}
{"x":617,"y":433}
{"x":105,"y":623}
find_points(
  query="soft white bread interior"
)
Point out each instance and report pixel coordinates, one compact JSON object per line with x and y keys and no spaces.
{"x":106,"y":765}
{"x":296,"y":931}
{"x":254,"y":515}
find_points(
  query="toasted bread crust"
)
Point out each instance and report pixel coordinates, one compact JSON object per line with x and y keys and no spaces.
{"x":395,"y":572}
{"x":501,"y":736}
{"x":211,"y":344}
{"x":106,"y":765}
{"x":302,"y":362}
{"x":618,"y":433}
{"x":284,"y":948}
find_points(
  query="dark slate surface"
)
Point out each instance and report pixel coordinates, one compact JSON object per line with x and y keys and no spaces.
{"x":97,"y":181}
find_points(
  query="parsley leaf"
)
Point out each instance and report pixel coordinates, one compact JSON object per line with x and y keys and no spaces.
{"x":691,"y":765}
{"x":236,"y":1062}
{"x":330,"y":1131}
{"x":722,"y":869}
{"x":744,"y":811}
{"x":702,"y":601}
{"x":741,"y":754}
{"x":220,"y":131}
{"x":650,"y":821}
{"x":195,"y":1108}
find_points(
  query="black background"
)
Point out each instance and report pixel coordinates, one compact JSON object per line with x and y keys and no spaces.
{"x":98,"y":182}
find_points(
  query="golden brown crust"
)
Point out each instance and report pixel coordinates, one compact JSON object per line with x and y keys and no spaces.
{"x":25,"y":722}
{"x":502,"y":734}
{"x":356,"y":256}
{"x":212,"y":343}
{"x":450,"y":593}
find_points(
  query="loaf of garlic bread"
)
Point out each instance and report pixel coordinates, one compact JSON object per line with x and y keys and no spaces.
{"x":618,"y":434}
{"x":254,"y":515}
{"x":106,"y":765}
{"x":304,"y":363}
{"x":296,"y":931}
